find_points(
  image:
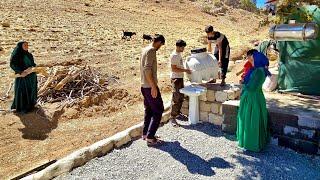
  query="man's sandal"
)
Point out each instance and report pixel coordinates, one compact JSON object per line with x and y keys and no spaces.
{"x":154,"y":142}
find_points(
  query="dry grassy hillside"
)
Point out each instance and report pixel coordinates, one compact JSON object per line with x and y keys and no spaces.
{"x":89,"y":32}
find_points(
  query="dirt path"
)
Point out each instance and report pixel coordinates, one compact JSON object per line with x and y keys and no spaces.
{"x":89,"y":32}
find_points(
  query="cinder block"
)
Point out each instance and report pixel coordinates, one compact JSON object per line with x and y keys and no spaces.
{"x":215,"y":119}
{"x":221,"y":96}
{"x":185,"y":111}
{"x":215,"y":108}
{"x":298,"y":145}
{"x":203,"y":97}
{"x":230,"y":119}
{"x":308,"y":133}
{"x":204,"y":116}
{"x":205,"y":106}
{"x":211,"y":96}
{"x":288,"y":130}
{"x":309,"y":122}
{"x":229,"y":129}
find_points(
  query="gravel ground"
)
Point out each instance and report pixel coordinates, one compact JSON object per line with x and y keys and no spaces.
{"x":197,"y":152}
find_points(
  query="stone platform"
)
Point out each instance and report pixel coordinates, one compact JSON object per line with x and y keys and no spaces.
{"x":294,"y":121}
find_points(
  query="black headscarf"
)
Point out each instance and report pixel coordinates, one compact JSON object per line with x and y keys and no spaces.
{"x":16,"y":60}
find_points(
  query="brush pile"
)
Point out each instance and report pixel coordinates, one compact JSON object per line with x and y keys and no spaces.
{"x":72,"y":84}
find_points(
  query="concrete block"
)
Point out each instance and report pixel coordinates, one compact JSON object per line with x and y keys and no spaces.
{"x":215,"y":119}
{"x":185,"y":111}
{"x":204,"y":116}
{"x":228,"y":129}
{"x":215,"y":108}
{"x":101,"y":148}
{"x":221,"y":96}
{"x":230,"y":107}
{"x":211,"y":96}
{"x":121,"y":138}
{"x":203,"y":97}
{"x":278,"y":118}
{"x":205,"y":106}
{"x":288,"y":130}
{"x":298,"y":145}
{"x":312,"y":123}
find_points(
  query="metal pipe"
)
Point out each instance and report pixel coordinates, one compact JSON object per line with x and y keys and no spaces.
{"x":294,"y":32}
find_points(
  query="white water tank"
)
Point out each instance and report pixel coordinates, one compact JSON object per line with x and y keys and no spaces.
{"x":204,"y":66}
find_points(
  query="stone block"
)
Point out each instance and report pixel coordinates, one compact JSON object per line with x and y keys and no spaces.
{"x":185,"y":104}
{"x":205,"y":106}
{"x":211,"y":96}
{"x":231,"y":94}
{"x":203,"y":97}
{"x":136,"y":130}
{"x":215,"y":108}
{"x":230,"y":119}
{"x":221,"y":96}
{"x":121,"y":138}
{"x":215,"y":119}
{"x":185,"y":111}
{"x":204,"y":116}
{"x":101,"y":148}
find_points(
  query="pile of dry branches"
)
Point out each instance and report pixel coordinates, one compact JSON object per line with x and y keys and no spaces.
{"x":72,"y":84}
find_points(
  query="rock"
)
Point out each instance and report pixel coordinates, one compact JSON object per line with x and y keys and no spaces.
{"x":5,"y":24}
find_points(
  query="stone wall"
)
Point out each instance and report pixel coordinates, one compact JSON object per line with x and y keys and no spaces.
{"x":211,"y":102}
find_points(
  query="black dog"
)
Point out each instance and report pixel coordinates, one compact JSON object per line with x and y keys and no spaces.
{"x":127,"y":34}
{"x":147,"y":37}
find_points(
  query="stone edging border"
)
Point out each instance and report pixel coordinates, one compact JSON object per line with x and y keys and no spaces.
{"x":98,"y":149}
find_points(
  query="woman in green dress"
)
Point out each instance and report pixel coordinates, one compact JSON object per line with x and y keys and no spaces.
{"x":25,"y":88}
{"x":252,"y":119}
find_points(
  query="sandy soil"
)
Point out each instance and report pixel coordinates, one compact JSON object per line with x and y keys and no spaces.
{"x":88,"y":32}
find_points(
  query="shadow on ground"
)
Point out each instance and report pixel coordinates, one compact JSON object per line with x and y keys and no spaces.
{"x":194,"y":163}
{"x":38,"y":124}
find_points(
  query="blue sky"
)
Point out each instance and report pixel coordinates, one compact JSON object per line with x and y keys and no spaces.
{"x":260,"y":3}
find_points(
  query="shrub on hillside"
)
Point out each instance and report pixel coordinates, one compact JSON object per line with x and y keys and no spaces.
{"x":248,"y":5}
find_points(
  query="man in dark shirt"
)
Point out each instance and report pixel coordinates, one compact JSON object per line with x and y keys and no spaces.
{"x":221,"y":51}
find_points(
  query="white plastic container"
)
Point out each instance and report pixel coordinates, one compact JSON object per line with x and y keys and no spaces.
{"x":204,"y":66}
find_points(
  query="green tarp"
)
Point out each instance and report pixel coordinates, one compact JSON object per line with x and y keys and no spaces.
{"x":299,"y":65}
